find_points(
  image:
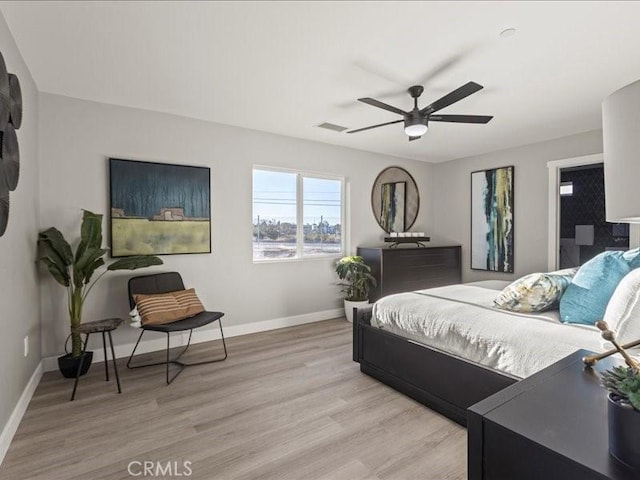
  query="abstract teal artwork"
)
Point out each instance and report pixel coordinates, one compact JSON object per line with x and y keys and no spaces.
{"x":492,"y":220}
{"x":393,"y":198}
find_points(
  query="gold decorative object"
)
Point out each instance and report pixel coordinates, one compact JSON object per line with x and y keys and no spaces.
{"x":591,"y":360}
{"x":609,"y":335}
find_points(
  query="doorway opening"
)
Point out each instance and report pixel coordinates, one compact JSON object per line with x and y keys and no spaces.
{"x":583,"y":230}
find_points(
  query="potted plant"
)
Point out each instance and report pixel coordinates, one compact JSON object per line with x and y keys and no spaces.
{"x":75,"y":272}
{"x":357,"y":281}
{"x":623,"y":383}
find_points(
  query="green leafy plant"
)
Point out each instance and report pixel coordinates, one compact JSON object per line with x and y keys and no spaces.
{"x":357,"y":276}
{"x":75,"y":271}
{"x":624,"y":383}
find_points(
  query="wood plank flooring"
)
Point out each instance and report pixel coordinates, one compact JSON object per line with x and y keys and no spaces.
{"x":287,"y":404}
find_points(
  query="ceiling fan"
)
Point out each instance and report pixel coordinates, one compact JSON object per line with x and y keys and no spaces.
{"x":417,"y":120}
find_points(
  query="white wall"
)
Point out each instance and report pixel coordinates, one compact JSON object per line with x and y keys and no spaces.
{"x":78,"y":136}
{"x":452,"y":184}
{"x":19,"y":295}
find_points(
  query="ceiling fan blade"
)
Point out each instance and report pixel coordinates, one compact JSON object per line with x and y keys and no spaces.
{"x":411,"y":139}
{"x":376,"y":103}
{"x":461,"y":118}
{"x":445,"y":65}
{"x":374,"y":126}
{"x":452,"y":97}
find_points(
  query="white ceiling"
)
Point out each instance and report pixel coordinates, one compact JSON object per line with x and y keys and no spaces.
{"x":284,"y":67}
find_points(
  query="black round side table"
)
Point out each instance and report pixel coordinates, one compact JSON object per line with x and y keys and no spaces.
{"x":106,"y":325}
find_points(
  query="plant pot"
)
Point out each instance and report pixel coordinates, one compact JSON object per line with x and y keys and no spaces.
{"x":624,"y":432}
{"x":349,"y":306}
{"x":69,"y":366}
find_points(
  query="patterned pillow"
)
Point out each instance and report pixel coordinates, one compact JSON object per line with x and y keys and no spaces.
{"x":159,"y":309}
{"x":168,"y":307}
{"x":189,"y":300}
{"x":536,"y":292}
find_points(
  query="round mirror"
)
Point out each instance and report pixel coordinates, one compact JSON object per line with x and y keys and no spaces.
{"x":395,"y":200}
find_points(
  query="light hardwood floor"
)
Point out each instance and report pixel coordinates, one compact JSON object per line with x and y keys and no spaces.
{"x":287,"y":404}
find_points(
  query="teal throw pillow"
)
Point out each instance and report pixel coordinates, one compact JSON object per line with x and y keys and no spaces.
{"x":585,"y":299}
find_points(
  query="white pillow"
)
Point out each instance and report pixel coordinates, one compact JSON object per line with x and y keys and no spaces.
{"x":623,"y":310}
{"x":136,"y":321}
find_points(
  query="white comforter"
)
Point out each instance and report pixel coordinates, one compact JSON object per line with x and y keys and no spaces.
{"x":461,"y":320}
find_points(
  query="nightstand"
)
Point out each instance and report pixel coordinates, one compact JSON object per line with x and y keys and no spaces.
{"x":551,"y":426}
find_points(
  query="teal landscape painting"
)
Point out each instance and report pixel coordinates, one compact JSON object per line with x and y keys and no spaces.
{"x":159,"y":209}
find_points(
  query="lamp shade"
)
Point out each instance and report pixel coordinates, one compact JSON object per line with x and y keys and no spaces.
{"x":621,"y":141}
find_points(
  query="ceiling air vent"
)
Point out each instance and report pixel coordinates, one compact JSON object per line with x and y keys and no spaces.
{"x":332,"y":126}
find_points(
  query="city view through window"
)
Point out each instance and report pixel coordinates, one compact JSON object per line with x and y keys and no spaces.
{"x":276,"y":215}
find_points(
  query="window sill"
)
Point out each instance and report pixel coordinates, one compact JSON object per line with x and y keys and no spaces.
{"x":334,"y":256}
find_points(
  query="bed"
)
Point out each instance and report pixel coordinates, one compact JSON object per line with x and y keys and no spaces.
{"x":449,"y":347}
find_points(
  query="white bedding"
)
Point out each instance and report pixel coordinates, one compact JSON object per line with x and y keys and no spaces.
{"x":461,"y":320}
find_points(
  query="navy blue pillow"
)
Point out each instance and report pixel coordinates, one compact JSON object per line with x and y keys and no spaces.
{"x":585,"y":299}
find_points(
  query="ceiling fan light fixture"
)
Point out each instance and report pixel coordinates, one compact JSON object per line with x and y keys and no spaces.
{"x":415,"y":130}
{"x":415,"y":127}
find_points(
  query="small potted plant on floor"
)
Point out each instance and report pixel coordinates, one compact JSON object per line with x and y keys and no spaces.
{"x":357,"y":281}
{"x":623,"y":383}
{"x":75,"y":271}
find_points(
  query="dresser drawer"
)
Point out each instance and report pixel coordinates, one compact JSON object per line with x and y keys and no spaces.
{"x":417,"y":272}
{"x":403,"y":285}
{"x":420,"y":264}
{"x":403,"y":258}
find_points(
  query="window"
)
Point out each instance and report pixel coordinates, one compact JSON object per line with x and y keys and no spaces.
{"x":296,"y":215}
{"x":322,"y":216}
{"x":566,"y":189}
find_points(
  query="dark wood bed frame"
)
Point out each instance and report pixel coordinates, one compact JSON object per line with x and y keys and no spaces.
{"x":441,"y":381}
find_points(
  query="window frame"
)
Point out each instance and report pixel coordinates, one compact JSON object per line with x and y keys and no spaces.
{"x":300,"y":176}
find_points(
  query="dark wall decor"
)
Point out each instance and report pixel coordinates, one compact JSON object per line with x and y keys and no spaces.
{"x":392,"y":216}
{"x":159,"y":209}
{"x":395,"y":199}
{"x":10,"y":121}
{"x":586,"y":206}
{"x":492,"y":220}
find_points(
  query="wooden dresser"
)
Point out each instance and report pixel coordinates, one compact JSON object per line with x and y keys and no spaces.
{"x":403,"y":269}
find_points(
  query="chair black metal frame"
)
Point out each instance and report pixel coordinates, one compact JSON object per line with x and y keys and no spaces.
{"x":164,"y":283}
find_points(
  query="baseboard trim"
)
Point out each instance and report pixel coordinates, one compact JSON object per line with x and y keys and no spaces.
{"x":206,"y":335}
{"x":13,"y":423}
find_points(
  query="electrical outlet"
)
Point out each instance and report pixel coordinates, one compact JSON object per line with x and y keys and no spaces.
{"x":26,"y":345}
